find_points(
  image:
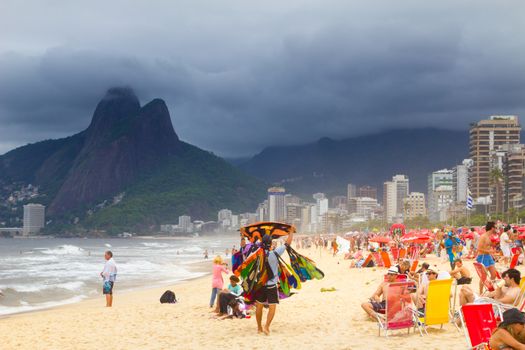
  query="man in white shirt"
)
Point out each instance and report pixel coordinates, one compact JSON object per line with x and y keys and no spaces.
{"x":504,"y":243}
{"x":109,"y":274}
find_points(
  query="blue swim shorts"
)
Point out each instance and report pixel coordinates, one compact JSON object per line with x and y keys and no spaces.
{"x":485,"y":259}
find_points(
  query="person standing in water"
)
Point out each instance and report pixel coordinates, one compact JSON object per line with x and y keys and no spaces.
{"x":109,"y":274}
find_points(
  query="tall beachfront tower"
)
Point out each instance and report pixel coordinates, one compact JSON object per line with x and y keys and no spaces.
{"x":276,"y":204}
{"x":34,"y":218}
{"x":394,"y":194}
{"x":485,"y":138}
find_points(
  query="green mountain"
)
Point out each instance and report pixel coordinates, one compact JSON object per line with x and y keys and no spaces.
{"x":127,"y":171}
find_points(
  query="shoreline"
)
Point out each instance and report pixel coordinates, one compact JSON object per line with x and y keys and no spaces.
{"x":201,"y":267}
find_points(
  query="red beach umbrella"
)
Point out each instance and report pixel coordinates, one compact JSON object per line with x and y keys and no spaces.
{"x":380,"y":239}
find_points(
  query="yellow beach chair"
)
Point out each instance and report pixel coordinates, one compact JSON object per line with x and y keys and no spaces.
{"x":437,"y":306}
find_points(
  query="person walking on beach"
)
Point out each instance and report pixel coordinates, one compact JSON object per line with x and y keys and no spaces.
{"x":109,"y":274}
{"x":269,"y":294}
{"x":485,"y":250}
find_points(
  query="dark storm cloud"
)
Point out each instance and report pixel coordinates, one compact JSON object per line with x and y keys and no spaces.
{"x":238,"y":76}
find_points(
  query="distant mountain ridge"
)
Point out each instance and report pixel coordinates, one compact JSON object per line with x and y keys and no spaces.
{"x":132,"y":152}
{"x":329,"y":165}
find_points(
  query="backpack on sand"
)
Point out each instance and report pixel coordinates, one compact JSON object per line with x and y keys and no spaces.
{"x":168,"y":298}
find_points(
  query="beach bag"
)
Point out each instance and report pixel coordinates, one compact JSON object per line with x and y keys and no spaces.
{"x":168,"y":297}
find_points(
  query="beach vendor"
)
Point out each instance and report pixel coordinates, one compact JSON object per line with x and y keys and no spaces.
{"x":452,"y":247}
{"x":269,"y":294}
{"x":109,"y":275}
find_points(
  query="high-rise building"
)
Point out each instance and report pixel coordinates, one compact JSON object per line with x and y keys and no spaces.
{"x":509,"y":159}
{"x":394,"y":193}
{"x":339,"y":202}
{"x":276,"y":207}
{"x":351,"y":191}
{"x":34,"y":218}
{"x":291,"y":199}
{"x":363,"y":207}
{"x":293,"y":212}
{"x":441,"y":194}
{"x":460,"y":180}
{"x":414,"y":205}
{"x":402,"y":188}
{"x":389,"y":200}
{"x":485,"y":138}
{"x":185,"y":223}
{"x":367,"y":191}
{"x":224,"y":214}
{"x":262,"y":211}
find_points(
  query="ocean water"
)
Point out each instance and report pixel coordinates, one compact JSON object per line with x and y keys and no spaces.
{"x":43,"y":273}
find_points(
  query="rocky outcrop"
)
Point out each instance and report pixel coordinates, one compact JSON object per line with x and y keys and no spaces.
{"x":122,"y":141}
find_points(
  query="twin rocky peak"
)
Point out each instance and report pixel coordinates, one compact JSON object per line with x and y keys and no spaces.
{"x":122,"y":141}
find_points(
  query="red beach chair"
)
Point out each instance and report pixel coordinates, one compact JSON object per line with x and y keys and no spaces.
{"x":377,"y":259}
{"x":514,"y":261}
{"x":478,"y":322}
{"x":399,"y":278}
{"x":483,"y":276}
{"x":413,"y":267}
{"x":402,"y":253}
{"x":386,"y":259}
{"x":367,"y":261}
{"x":395,"y":253}
{"x":398,"y":314}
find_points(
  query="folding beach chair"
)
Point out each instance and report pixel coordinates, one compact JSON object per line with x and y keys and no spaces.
{"x":398,"y":312}
{"x":367,"y":261}
{"x":395,"y":253}
{"x":386,"y":259}
{"x":414,"y":254}
{"x":399,"y":278}
{"x":483,"y":276}
{"x":402,"y":253}
{"x":478,"y":322}
{"x":377,"y":259}
{"x":413,"y":267}
{"x":514,"y":261}
{"x":437,"y":306}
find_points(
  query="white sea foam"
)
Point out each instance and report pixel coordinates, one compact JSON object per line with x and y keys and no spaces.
{"x":32,"y":288}
{"x":193,"y":249}
{"x":156,"y":245}
{"x":65,"y":249}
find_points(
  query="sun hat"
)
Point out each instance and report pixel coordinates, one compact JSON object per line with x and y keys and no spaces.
{"x":512,"y":316}
{"x":392,"y":271}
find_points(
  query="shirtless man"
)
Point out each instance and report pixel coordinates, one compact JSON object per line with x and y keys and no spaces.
{"x":380,"y":303}
{"x":505,"y":295}
{"x":485,"y":250}
{"x":461,"y":273}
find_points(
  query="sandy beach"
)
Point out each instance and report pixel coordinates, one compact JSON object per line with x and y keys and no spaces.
{"x":308,"y":320}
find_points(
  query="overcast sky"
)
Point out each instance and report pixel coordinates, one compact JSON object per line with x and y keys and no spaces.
{"x":241,"y":75}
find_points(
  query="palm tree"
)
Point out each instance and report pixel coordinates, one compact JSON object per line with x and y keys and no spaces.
{"x":496,"y":183}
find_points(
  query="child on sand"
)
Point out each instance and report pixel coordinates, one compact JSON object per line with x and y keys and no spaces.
{"x":217,"y":283}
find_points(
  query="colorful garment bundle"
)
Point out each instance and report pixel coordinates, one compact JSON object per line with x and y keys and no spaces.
{"x":304,"y":267}
{"x":254,"y":272}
